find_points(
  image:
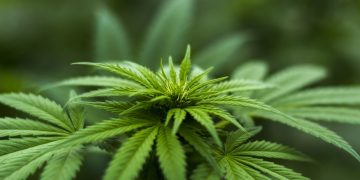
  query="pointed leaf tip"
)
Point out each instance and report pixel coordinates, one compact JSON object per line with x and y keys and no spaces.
{"x":188,"y":52}
{"x":185,"y":65}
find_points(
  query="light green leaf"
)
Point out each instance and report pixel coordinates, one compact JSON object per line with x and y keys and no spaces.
{"x":254,"y":70}
{"x":312,"y":129}
{"x":185,"y":67}
{"x":17,"y":156}
{"x":26,"y":169}
{"x":251,"y":71}
{"x":236,"y":101}
{"x":234,"y":170}
{"x":266,"y":149}
{"x":274,"y":170}
{"x":12,"y":145}
{"x":200,"y":145}
{"x":257,"y":175}
{"x":171,"y":155}
{"x":28,"y":124}
{"x":237,"y":138}
{"x":21,"y":163}
{"x":199,"y":77}
{"x":25,"y":132}
{"x":179,"y":116}
{"x":104,"y":130}
{"x":205,"y":84}
{"x":105,"y":92}
{"x":290,"y":80}
{"x":76,"y":112}
{"x":121,"y":69}
{"x":169,"y":115}
{"x":239,"y":86}
{"x":39,"y":107}
{"x":322,"y":96}
{"x":63,"y":165}
{"x":204,"y":119}
{"x":172,"y":71}
{"x":131,"y":156}
{"x":331,"y":114}
{"x":101,"y":81}
{"x":110,"y":106}
{"x":222,"y":114}
{"x":150,"y":76}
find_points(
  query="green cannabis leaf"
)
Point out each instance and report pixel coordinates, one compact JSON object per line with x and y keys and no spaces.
{"x":26,"y":143}
{"x":243,"y":160}
{"x":336,"y":104}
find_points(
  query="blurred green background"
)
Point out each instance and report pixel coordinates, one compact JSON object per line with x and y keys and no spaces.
{"x":40,"y":38}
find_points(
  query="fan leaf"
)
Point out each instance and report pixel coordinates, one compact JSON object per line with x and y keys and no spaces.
{"x":38,"y":106}
{"x":171,"y":155}
{"x":292,"y":79}
{"x":63,"y":165}
{"x":313,"y":129}
{"x":266,"y":149}
{"x":131,"y":156}
{"x":331,"y":114}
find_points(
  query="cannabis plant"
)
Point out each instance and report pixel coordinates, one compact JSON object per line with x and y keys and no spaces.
{"x":175,"y":123}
